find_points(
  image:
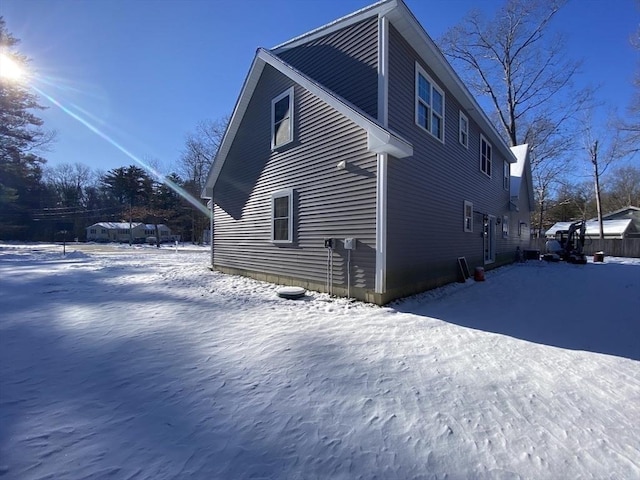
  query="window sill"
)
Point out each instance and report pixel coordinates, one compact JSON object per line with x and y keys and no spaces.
{"x":441,"y":140}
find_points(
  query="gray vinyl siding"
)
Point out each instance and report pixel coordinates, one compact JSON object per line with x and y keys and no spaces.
{"x":346,"y":62}
{"x":426,"y":192}
{"x":327,"y":203}
{"x":520,"y":236}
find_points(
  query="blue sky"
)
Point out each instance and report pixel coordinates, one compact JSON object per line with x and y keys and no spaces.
{"x":145,"y":72}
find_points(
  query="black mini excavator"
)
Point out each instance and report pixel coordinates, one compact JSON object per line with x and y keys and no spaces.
{"x":568,"y":244}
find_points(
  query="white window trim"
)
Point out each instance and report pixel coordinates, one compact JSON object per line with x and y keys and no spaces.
{"x":288,"y":92}
{"x":505,"y":226}
{"x":506,"y":175}
{"x":464,"y":217}
{"x":418,"y":100}
{"x":465,"y":144}
{"x":288,"y":192}
{"x":489,"y":160}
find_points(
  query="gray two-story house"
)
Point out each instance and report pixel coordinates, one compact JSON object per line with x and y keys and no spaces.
{"x":357,"y":163}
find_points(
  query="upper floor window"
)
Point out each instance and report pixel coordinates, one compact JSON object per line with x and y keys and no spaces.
{"x":506,"y":174}
{"x":282,"y":119}
{"x":282,"y":216}
{"x":463,"y":130}
{"x":429,"y":104}
{"x":486,"y":155}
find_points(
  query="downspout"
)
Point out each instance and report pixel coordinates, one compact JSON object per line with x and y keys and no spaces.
{"x":381,"y":174}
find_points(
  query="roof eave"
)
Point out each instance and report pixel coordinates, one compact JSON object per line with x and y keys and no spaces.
{"x":380,"y":8}
{"x":379,"y":140}
{"x":389,"y":144}
{"x":411,"y":29}
{"x":248,"y":86}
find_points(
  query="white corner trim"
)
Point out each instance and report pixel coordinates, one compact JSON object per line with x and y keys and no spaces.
{"x":381,"y":224}
{"x":383,"y":70}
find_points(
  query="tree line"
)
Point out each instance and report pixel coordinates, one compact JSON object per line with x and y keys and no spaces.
{"x":45,"y":203}
{"x":512,"y":61}
{"x":40,"y":202}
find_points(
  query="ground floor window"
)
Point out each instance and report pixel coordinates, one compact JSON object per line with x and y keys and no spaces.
{"x":282,"y":216}
{"x":468,"y":216}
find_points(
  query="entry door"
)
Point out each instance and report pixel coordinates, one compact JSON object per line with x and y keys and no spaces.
{"x":490,"y":239}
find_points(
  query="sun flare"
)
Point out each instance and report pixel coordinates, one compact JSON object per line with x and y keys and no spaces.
{"x":9,"y":69}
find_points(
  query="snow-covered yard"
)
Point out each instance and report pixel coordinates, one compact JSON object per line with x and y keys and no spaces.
{"x":139,"y":363}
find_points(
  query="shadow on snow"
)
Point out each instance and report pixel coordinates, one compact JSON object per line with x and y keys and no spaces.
{"x":591,"y":307}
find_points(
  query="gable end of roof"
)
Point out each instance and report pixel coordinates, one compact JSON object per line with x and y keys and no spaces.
{"x":379,"y":139}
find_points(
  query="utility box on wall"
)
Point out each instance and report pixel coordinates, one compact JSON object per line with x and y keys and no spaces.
{"x":349,"y":243}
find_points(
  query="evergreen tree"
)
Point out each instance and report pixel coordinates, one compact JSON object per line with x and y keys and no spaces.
{"x":21,"y":140}
{"x":129,"y":186}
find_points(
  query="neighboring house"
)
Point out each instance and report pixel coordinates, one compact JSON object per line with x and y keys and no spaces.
{"x":611,"y":229}
{"x":356,"y":162}
{"x":125,"y":232}
{"x":627,"y":213}
{"x":623,"y":223}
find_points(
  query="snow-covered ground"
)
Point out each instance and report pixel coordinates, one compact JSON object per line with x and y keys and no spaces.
{"x":140,"y":363}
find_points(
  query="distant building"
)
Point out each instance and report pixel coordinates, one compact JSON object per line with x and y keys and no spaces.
{"x":627,"y":213}
{"x":124,"y":232}
{"x":623,"y":223}
{"x":611,"y":228}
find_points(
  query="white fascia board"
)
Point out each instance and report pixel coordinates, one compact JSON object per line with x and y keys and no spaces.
{"x":380,"y":8}
{"x":380,"y":139}
{"x":383,"y":142}
{"x":242,"y":103}
{"x":406,"y":23}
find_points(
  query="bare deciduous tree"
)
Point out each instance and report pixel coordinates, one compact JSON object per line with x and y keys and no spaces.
{"x":199,"y":152}
{"x":69,"y":181}
{"x":601,"y":154}
{"x":630,"y":128}
{"x":622,"y":188}
{"x":200,"y":149}
{"x":515,"y":62}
